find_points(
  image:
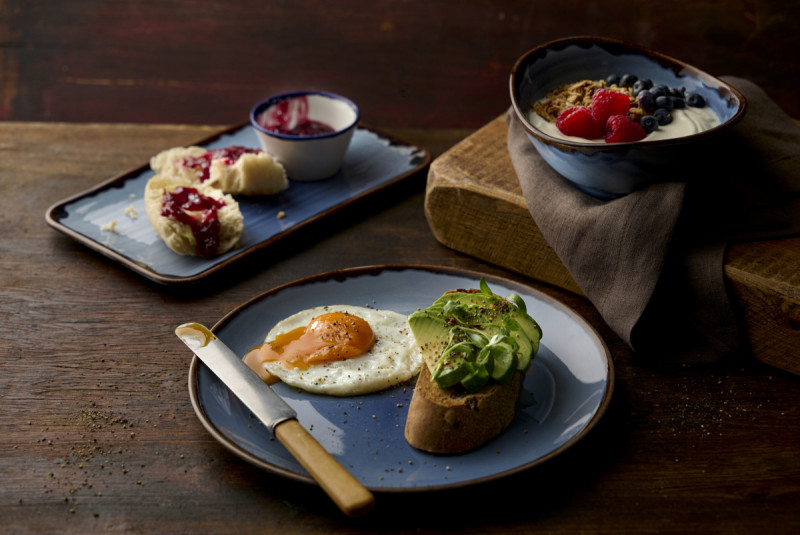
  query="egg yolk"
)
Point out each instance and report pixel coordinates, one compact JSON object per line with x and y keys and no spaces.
{"x":327,"y":338}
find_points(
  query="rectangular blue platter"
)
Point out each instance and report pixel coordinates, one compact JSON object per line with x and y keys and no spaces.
{"x":373,"y":161}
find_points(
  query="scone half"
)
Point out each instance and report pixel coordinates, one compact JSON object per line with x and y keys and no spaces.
{"x":215,"y":223}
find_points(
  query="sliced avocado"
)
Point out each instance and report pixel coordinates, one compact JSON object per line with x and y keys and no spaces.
{"x":528,"y":324}
{"x":505,"y":364}
{"x":432,"y":335}
{"x":451,"y":370}
{"x":476,"y":379}
{"x":530,"y":328}
{"x":498,"y":311}
{"x":472,"y":337}
{"x":526,"y":349}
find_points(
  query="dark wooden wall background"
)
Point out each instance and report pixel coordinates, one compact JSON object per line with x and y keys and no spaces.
{"x":408,"y":63}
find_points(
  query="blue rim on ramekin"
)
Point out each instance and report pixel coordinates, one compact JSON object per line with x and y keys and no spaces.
{"x":275,"y":99}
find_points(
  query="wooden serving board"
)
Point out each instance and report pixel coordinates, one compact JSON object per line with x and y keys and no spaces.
{"x":474,"y":204}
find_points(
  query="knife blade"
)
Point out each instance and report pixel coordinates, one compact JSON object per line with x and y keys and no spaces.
{"x":345,"y":490}
{"x":257,"y":396}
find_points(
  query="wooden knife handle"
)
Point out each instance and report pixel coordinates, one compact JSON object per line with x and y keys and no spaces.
{"x":345,"y":490}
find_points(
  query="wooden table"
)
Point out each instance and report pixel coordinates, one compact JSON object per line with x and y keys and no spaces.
{"x":97,"y":433}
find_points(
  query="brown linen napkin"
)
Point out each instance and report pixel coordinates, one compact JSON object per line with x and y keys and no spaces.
{"x":652,"y":261}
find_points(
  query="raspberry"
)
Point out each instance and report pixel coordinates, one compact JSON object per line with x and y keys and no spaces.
{"x":578,"y":121}
{"x":620,"y":129}
{"x":606,"y":103}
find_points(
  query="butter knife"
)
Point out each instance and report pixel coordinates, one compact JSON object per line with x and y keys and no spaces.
{"x":345,"y":490}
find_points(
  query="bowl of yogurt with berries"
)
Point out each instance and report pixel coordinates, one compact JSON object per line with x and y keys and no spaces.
{"x":306,"y":131}
{"x":613,"y":117}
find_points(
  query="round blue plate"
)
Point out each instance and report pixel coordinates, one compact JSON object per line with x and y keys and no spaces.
{"x":564,"y":394}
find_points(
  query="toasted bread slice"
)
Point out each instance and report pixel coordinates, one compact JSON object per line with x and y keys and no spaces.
{"x":454,"y":421}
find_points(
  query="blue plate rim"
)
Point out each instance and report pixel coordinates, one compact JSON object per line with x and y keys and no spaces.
{"x":345,"y":273}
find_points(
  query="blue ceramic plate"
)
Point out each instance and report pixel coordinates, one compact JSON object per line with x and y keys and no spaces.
{"x":564,"y":394}
{"x":373,"y":161}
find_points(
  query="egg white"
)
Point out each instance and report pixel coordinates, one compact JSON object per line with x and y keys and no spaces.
{"x":393,"y":359}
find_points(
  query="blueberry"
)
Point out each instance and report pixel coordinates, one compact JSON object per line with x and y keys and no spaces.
{"x":612,"y":79}
{"x":659,"y":91}
{"x":678,"y":103}
{"x":642,"y":85}
{"x":695,"y":101}
{"x":662,"y":116}
{"x":627,"y":80}
{"x":646,"y":100}
{"x":664,"y":102}
{"x":649,"y":123}
{"x":674,"y":92}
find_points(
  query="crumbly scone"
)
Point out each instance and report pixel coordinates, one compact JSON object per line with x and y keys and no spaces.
{"x":170,"y":163}
{"x":179,"y":236}
{"x":236,"y":170}
{"x":251,"y":174}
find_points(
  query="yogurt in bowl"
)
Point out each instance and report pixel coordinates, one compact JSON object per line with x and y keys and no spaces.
{"x":677,"y":118}
{"x":610,"y":170}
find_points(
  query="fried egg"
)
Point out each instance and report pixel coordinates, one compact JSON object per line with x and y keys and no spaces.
{"x":339,"y":350}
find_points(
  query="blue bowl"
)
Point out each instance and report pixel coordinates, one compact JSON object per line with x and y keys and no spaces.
{"x":611,"y":170}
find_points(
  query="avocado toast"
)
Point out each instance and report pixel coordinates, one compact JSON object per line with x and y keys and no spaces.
{"x":476,"y":348}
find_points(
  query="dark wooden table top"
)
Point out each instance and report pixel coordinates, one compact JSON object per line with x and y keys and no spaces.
{"x":97,"y":432}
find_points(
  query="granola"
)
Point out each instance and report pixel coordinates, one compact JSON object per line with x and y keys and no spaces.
{"x":580,"y":94}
